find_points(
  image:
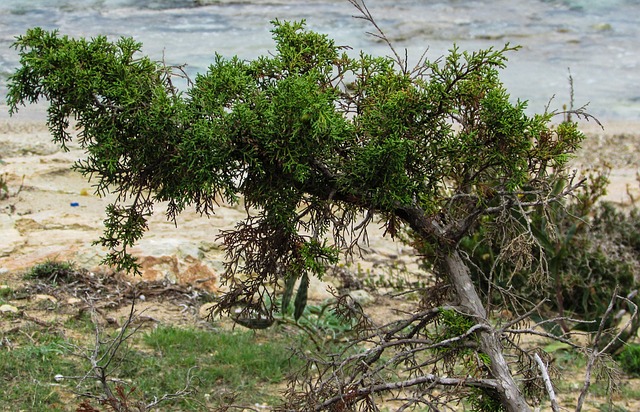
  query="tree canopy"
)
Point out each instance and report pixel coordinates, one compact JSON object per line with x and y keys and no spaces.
{"x":318,"y":143}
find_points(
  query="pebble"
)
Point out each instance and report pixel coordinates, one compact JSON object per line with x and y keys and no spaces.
{"x":205,"y":310}
{"x":40,"y":297}
{"x":9,"y":308}
{"x":73,"y":301}
{"x":361,"y":296}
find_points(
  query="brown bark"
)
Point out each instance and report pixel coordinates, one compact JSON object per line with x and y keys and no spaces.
{"x":510,"y":395}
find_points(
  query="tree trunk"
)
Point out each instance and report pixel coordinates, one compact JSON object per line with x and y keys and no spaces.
{"x":510,"y":395}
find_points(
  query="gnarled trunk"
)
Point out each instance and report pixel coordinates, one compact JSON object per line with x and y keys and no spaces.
{"x":458,"y":272}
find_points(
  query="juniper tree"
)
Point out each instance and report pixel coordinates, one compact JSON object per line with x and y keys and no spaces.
{"x":318,"y":144}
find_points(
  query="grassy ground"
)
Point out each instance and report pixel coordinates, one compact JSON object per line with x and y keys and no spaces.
{"x":49,"y":347}
{"x":156,"y":362}
{"x":69,"y":324}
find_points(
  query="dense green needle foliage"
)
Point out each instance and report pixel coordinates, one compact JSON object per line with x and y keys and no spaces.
{"x":308,"y":127}
{"x":316,"y":142}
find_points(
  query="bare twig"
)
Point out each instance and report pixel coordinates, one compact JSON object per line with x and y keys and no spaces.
{"x":540,"y":202}
{"x":594,"y":353}
{"x":102,"y":357}
{"x":186,"y":391}
{"x":366,"y":15}
{"x":355,"y":394}
{"x":547,"y":383}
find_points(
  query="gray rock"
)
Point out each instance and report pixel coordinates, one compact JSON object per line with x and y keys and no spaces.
{"x":361,"y":296}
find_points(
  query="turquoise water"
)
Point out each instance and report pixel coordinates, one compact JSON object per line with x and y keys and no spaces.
{"x":597,"y":40}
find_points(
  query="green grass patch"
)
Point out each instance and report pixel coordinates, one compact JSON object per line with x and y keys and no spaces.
{"x":239,"y":361}
{"x":28,"y":372}
{"x":6,"y":293}
{"x":155,"y":363}
{"x":82,"y":323}
{"x":629,"y":360}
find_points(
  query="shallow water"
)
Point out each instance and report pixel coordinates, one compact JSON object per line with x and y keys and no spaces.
{"x":597,"y":40}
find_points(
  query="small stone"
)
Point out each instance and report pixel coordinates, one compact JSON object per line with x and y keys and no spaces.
{"x":205,"y":310}
{"x":50,"y":298}
{"x":319,"y":290}
{"x":8,"y":308}
{"x":73,"y":301}
{"x":361,"y":296}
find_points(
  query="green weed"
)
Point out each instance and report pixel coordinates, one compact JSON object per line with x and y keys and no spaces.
{"x":6,"y":293}
{"x":52,"y":270}
{"x":629,"y":360}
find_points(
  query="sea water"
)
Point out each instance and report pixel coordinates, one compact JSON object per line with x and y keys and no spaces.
{"x":596,"y":41}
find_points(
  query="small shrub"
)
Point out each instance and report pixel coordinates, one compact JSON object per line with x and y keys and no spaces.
{"x":4,"y":189}
{"x":589,"y":249}
{"x":629,"y":360}
{"x":53,"y":271}
{"x":6,"y":292}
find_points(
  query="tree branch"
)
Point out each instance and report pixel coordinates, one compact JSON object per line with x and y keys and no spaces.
{"x":547,"y":383}
{"x":356,"y":394}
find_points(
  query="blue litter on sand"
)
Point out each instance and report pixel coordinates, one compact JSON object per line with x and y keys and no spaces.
{"x":74,"y":204}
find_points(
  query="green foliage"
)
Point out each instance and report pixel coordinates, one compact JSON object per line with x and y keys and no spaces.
{"x":485,"y":401}
{"x":53,"y":271}
{"x":629,"y":359}
{"x":317,"y":143}
{"x":454,"y":323}
{"x":590,"y":249}
{"x":285,"y":133}
{"x":121,"y":105}
{"x":458,"y":357}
